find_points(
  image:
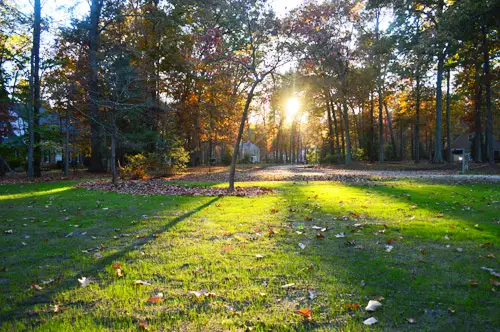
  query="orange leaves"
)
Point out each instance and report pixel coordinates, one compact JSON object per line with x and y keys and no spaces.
{"x":35,"y":286}
{"x":143,"y":325}
{"x":391,"y":240}
{"x":155,"y":299}
{"x":274,"y":210}
{"x":320,"y":236}
{"x":308,"y":219}
{"x":351,"y":306}
{"x":116,"y":266}
{"x":306,"y":313}
{"x":226,"y":249}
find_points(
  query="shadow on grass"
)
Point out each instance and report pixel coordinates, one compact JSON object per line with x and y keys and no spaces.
{"x":420,"y":278}
{"x":46,"y":295}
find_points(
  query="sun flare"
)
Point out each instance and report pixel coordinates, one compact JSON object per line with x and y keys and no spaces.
{"x":292,"y":107}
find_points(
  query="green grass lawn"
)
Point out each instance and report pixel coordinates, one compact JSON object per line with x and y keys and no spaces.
{"x":441,"y":236}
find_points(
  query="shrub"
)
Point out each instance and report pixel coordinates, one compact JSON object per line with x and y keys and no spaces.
{"x":330,"y":159}
{"x":136,"y":167}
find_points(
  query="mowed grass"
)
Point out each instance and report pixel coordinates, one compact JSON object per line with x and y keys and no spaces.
{"x":441,"y":237}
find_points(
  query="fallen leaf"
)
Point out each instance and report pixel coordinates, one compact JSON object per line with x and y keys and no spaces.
{"x":340,"y":235}
{"x":98,"y":255}
{"x":351,"y":305}
{"x":142,"y":282}
{"x":144,"y":325}
{"x":259,"y":256}
{"x":274,"y":210}
{"x":116,"y":266}
{"x":451,"y":309}
{"x":390,"y":240}
{"x":302,"y":246}
{"x":473,"y":283}
{"x":119,"y":273}
{"x":35,"y":286}
{"x":270,"y":231}
{"x":485,"y":245}
{"x":312,"y":294}
{"x":203,"y":292}
{"x":308,"y":219}
{"x":495,"y":282}
{"x":84,"y":281}
{"x":288,"y":286}
{"x":154,"y":299}
{"x":320,"y":236}
{"x":307,"y":313}
{"x":388,"y":248}
{"x":440,"y":215}
{"x":373,"y":305}
{"x":370,"y":321}
{"x":411,"y":320}
{"x":226,"y":248}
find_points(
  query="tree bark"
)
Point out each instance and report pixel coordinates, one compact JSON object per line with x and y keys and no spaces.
{"x":34,"y":152}
{"x":335,"y":124}
{"x":380,"y":126}
{"x":113,"y":150}
{"x":391,"y":131}
{"x":372,"y":130}
{"x":448,"y":128}
{"x":330,"y":126}
{"x":438,"y":156}
{"x":348,"y":156}
{"x":93,"y":87}
{"x":489,"y":113}
{"x":236,"y":150}
{"x":477,"y":107}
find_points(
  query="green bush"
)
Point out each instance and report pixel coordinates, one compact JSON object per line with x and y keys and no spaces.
{"x":226,"y":157}
{"x":330,"y":159}
{"x":136,"y":167}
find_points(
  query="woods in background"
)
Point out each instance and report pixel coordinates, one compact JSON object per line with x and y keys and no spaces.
{"x":187,"y":81}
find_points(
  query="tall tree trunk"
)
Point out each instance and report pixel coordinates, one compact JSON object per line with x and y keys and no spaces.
{"x":348,"y":155}
{"x":113,"y":150}
{"x":335,"y":124}
{"x":448,"y":127}
{"x":93,"y":86}
{"x":37,"y":153}
{"x":236,"y":150}
{"x":393,"y":138}
{"x":342,"y":132}
{"x":330,"y":125}
{"x":479,"y":92}
{"x":34,"y":152}
{"x":371,"y":149}
{"x":66,"y":139}
{"x":380,"y":126}
{"x":438,"y":156}
{"x":489,"y":112}
{"x":416,"y":139}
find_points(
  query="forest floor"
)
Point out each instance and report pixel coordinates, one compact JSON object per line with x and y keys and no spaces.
{"x":308,"y":256}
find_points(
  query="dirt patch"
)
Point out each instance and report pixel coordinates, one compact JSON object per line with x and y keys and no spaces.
{"x":159,"y":187}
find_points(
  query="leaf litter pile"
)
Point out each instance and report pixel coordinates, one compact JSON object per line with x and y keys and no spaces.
{"x":159,"y":187}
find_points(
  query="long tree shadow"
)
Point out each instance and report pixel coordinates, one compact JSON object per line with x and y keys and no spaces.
{"x":357,"y":266}
{"x":47,"y":294}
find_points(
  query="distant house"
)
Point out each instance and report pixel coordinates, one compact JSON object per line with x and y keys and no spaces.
{"x":249,"y":152}
{"x":463,"y":143}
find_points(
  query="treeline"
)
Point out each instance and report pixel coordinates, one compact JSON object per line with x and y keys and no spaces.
{"x":179,"y":79}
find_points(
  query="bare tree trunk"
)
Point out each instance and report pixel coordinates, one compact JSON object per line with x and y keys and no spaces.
{"x":479,"y":91}
{"x":113,"y":150}
{"x":236,"y":150}
{"x":348,"y":156}
{"x":93,"y":86}
{"x":66,"y":139}
{"x":330,"y":126}
{"x":372,"y":130}
{"x":34,"y":153}
{"x":337,"y":141}
{"x":380,"y":126}
{"x":438,"y":156}
{"x":489,"y":112}
{"x":393,"y":138}
{"x":448,"y":128}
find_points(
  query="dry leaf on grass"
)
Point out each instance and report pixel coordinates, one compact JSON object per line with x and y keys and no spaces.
{"x":142,"y":282}
{"x":370,"y":321}
{"x":84,"y":281}
{"x":306,"y":313}
{"x":373,"y":305}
